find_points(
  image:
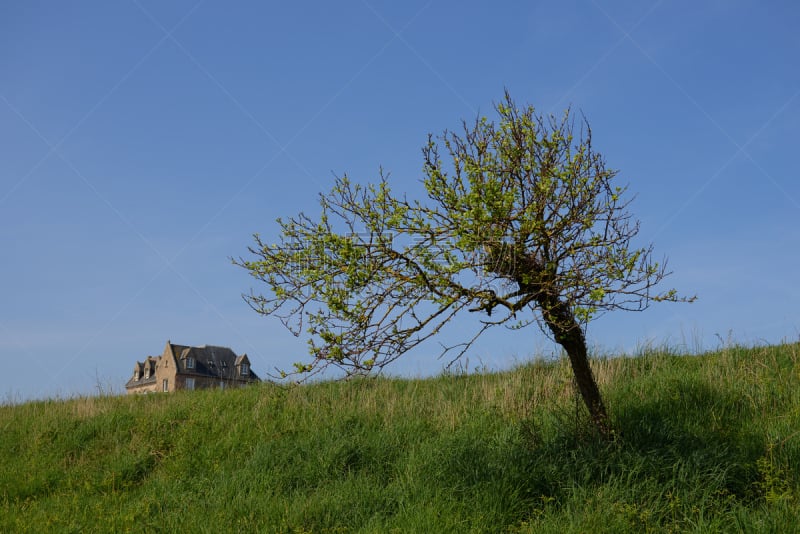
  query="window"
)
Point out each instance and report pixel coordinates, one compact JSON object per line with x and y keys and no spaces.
{"x":190,"y":383}
{"x":165,"y":385}
{"x":245,"y":369}
{"x":147,"y":372}
{"x":136,"y":374}
{"x":190,"y":363}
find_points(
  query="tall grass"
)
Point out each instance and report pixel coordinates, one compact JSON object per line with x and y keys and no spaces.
{"x":708,"y":443}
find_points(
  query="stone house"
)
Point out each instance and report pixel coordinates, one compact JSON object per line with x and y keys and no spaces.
{"x":183,"y":367}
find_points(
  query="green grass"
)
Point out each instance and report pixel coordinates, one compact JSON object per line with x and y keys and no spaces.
{"x":709,"y":443}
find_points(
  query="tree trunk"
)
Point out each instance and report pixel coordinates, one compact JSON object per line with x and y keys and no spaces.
{"x":568,"y":333}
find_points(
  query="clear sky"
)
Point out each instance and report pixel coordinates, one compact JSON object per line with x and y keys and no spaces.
{"x":143,"y":142}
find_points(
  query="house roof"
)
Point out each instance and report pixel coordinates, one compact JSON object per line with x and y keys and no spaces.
{"x":139,"y":369}
{"x":214,"y":361}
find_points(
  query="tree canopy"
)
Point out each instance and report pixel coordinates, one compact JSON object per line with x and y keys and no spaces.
{"x":523,"y":224}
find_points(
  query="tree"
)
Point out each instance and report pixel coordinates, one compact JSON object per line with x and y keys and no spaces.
{"x":523,"y":224}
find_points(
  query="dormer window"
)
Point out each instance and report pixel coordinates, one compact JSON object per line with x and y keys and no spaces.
{"x":245,"y":369}
{"x":190,"y":363}
{"x":147,"y":372}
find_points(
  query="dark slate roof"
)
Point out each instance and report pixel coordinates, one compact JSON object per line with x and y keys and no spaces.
{"x":212,"y":361}
{"x":140,"y":367}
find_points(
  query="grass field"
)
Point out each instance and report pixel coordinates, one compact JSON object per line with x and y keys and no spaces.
{"x":708,"y":443}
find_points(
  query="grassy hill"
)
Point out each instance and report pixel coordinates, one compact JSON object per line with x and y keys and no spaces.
{"x":710,"y":443}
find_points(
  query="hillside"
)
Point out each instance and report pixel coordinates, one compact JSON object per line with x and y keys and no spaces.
{"x":709,"y":443}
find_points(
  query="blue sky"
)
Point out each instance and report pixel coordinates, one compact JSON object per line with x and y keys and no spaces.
{"x":143,"y":142}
